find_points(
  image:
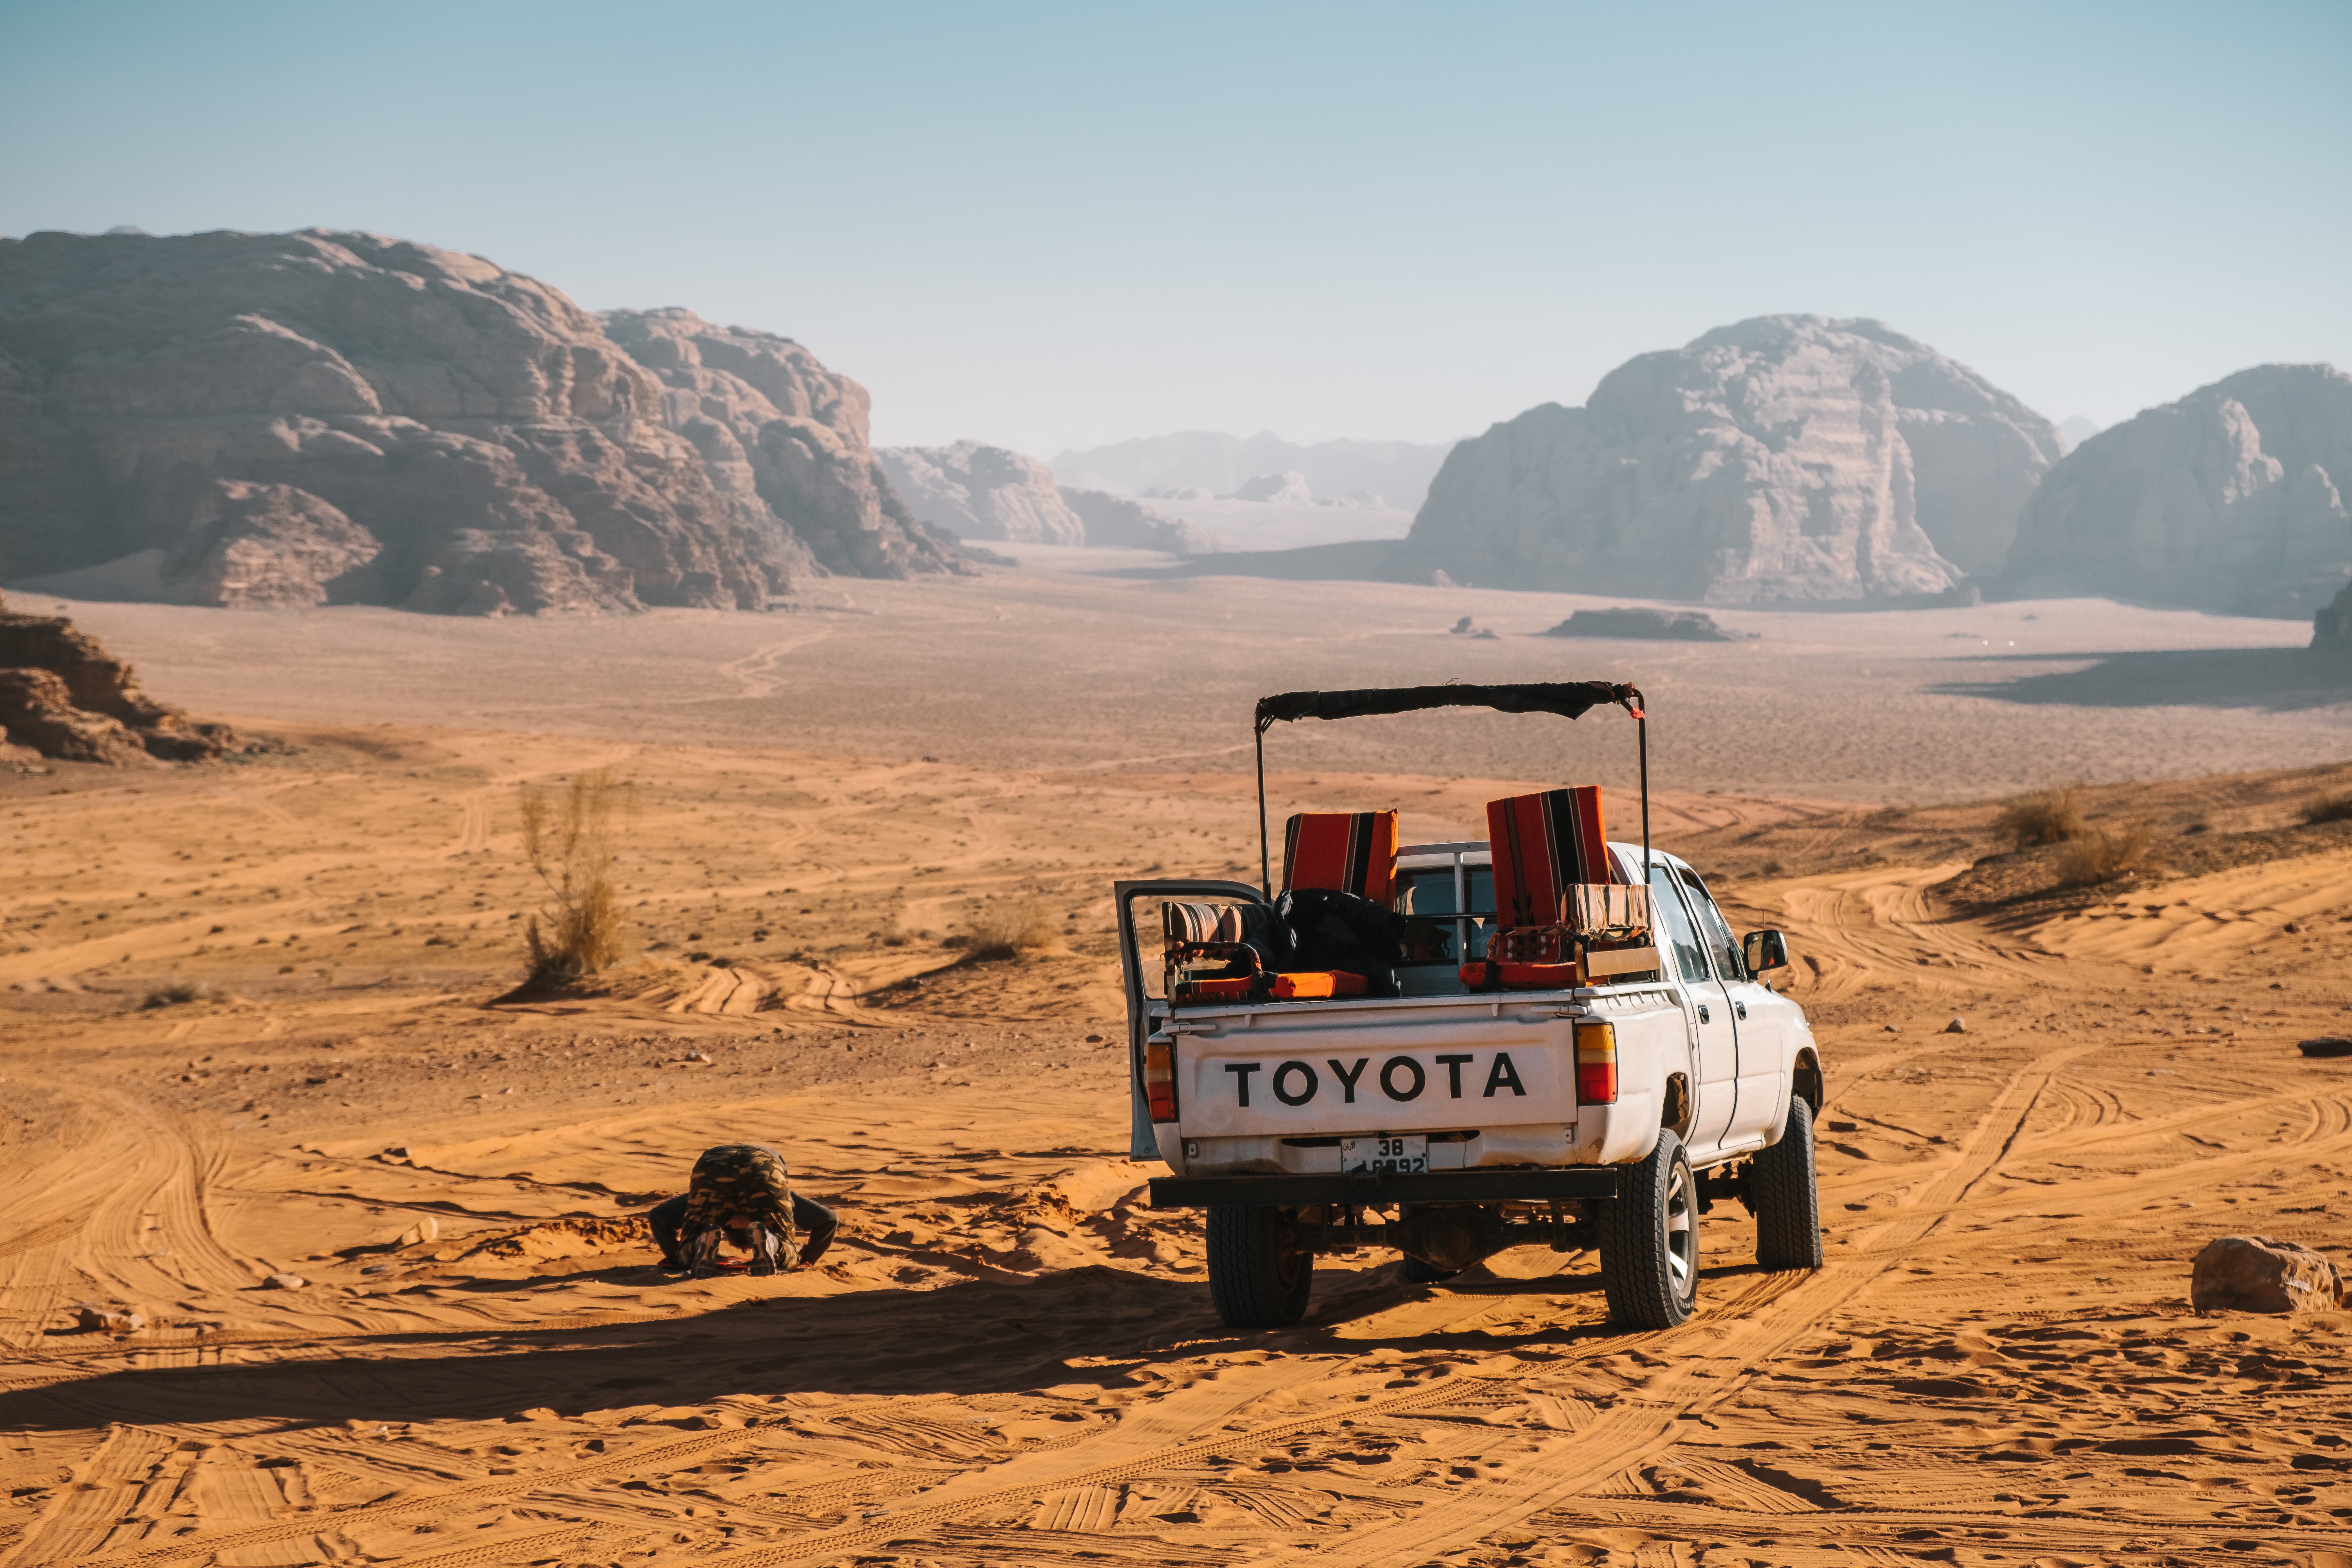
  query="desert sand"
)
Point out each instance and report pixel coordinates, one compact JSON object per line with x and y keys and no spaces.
{"x":1009,"y":1357}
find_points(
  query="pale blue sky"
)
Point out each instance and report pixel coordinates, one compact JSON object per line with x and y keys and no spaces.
{"x":1052,"y":225}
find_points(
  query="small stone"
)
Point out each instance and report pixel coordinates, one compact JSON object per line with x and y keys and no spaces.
{"x":111,"y":1319}
{"x":1957,"y":1026}
{"x":2259,"y":1274}
{"x":2326,"y":1046}
{"x":284,"y":1282}
{"x":1890,"y":1028}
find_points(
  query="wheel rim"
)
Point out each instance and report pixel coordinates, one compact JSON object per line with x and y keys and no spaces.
{"x":1291,"y":1268}
{"x":1682,"y":1233}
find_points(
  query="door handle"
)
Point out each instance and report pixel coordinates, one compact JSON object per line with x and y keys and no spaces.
{"x":1740,"y":1009}
{"x":1702,"y":1013}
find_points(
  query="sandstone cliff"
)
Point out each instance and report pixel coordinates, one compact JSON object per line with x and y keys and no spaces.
{"x":977,"y":491}
{"x":1787,"y":458}
{"x":324,"y":418}
{"x":784,"y":439}
{"x":2231,"y":500}
{"x":62,"y":696}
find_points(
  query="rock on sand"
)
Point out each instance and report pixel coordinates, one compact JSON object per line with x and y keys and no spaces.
{"x":2258,"y":1274}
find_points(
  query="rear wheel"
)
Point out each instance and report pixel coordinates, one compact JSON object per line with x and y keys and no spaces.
{"x":1258,"y":1277}
{"x":1417,"y":1272}
{"x":1649,"y":1239}
{"x":1788,"y":1204}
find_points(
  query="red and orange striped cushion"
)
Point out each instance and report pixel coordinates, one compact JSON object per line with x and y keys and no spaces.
{"x":1348,"y":851}
{"x":1543,"y":845}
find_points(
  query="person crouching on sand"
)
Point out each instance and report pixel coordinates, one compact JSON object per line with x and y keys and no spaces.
{"x":740,"y":1194}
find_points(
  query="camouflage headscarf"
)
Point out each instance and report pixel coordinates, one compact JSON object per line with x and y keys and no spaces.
{"x":746,"y":1179}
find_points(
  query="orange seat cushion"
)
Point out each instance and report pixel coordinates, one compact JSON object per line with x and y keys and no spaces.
{"x":1348,"y":851}
{"x":1488,"y":974}
{"x":1308,"y":985}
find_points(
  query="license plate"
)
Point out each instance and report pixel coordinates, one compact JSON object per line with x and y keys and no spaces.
{"x":1385,"y":1156}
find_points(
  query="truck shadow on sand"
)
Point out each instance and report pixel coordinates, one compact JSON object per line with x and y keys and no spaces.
{"x":2279,"y":679}
{"x":984,"y":1337}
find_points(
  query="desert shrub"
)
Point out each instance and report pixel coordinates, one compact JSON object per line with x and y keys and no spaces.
{"x":175,"y":991}
{"x":1004,"y":931}
{"x":570,"y":837}
{"x":2094,"y":855}
{"x":2043,"y":816}
{"x":2336,"y":807}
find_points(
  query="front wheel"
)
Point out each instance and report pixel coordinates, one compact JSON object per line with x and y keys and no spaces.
{"x":1788,"y":1204}
{"x":1258,"y":1276}
{"x":1649,"y":1239}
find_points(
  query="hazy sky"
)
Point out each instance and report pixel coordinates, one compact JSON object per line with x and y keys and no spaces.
{"x":1056,"y":225}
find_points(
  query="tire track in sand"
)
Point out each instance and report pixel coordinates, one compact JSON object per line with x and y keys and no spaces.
{"x":1636,"y":1430}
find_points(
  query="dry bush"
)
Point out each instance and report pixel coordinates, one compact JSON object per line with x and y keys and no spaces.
{"x":1004,"y":930}
{"x":2336,"y":807}
{"x":2043,"y":816}
{"x":175,"y":991}
{"x":569,"y":836}
{"x":2095,"y":856}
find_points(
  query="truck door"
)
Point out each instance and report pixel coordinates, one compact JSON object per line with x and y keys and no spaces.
{"x":1718,"y":1042}
{"x":1760,"y":1018}
{"x":1138,"y":904}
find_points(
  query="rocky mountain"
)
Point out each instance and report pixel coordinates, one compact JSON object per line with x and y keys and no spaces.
{"x":783,"y":438}
{"x":328,"y":418}
{"x":63,"y":696}
{"x":977,"y":491}
{"x":1390,"y":473}
{"x":2231,"y":500}
{"x":1786,"y":458}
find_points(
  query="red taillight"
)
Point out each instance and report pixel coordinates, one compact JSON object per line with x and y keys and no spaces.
{"x":1159,"y":1079}
{"x":1596,"y":1064}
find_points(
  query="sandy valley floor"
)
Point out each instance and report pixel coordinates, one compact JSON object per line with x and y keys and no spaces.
{"x":1009,"y":1358}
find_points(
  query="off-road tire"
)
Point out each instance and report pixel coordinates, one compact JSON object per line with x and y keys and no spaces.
{"x":1255,"y":1279}
{"x":1781,"y":1189}
{"x":1649,"y":1239}
{"x":1417,"y":1272}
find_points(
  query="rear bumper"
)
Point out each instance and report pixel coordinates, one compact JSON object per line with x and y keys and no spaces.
{"x":1373,"y":1190}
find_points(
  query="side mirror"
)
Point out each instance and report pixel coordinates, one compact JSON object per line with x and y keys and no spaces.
{"x":1764,"y":949}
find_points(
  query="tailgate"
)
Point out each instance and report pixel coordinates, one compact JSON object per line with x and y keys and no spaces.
{"x":1432,"y":1064}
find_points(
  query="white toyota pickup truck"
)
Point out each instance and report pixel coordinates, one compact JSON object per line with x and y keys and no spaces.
{"x":1579,"y":1066}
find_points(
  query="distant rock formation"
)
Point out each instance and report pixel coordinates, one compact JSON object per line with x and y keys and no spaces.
{"x":1787,"y":458}
{"x":1121,"y":523}
{"x":977,"y":491}
{"x":2231,"y":500}
{"x":784,"y":439}
{"x":2331,"y":627}
{"x":329,"y":417}
{"x":1646,"y":624}
{"x":1289,"y":488}
{"x":63,"y":696}
{"x":2073,"y":431}
{"x":1213,"y":464}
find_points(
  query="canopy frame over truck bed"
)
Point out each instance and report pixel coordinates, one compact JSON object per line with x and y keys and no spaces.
{"x":1568,"y":698}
